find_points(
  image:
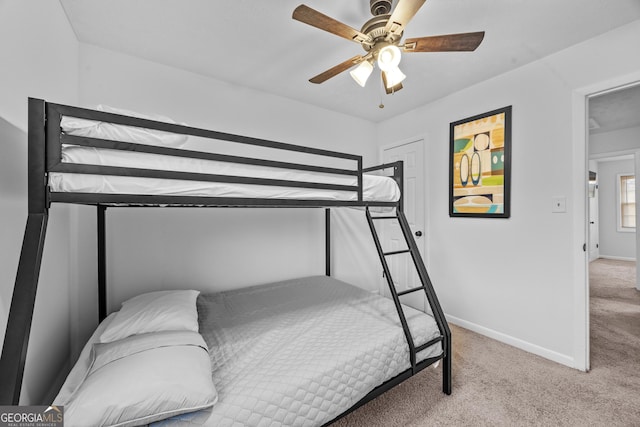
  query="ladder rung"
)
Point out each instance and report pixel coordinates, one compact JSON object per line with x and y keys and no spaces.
{"x":404,"y":251}
{"x":428,"y":344}
{"x":408,"y":291}
{"x":384,"y":217}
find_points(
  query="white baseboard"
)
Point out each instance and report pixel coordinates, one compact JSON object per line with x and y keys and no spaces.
{"x":515,"y":342}
{"x":617,"y":258}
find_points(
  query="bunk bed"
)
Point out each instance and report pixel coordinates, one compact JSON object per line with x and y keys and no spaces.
{"x":125,"y":164}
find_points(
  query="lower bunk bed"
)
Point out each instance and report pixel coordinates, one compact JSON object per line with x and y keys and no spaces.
{"x":300,"y":352}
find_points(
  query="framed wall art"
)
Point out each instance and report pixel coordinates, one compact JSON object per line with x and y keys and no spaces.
{"x":480,"y":165}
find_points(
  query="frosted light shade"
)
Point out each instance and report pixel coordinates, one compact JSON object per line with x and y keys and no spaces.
{"x":362,"y":72}
{"x":389,"y":57}
{"x":393,"y":77}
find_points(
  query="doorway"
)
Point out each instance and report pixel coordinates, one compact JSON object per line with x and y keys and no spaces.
{"x":613,"y":153}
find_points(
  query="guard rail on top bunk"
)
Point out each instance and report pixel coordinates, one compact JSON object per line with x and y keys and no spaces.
{"x":55,"y":139}
{"x":45,"y":141}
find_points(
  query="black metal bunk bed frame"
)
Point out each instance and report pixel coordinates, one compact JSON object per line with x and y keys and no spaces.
{"x":45,"y":140}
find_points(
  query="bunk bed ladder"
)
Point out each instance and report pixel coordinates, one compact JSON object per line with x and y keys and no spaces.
{"x":426,"y":286}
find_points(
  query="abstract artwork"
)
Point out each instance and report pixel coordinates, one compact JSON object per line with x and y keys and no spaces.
{"x":480,"y":165}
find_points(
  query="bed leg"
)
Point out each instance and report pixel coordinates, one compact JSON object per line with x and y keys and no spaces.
{"x":446,"y":365}
{"x":327,"y":242}
{"x":102,"y":263}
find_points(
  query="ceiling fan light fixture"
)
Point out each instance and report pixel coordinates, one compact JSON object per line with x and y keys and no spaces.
{"x":362,"y":72}
{"x":393,"y":77}
{"x":389,"y":57}
{"x":391,"y":86}
{"x":390,"y":89}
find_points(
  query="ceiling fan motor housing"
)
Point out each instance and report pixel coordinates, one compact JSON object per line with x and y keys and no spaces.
{"x":380,"y":7}
{"x":376,"y":29}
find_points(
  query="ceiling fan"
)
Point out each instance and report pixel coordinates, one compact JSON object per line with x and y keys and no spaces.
{"x":381,"y":39}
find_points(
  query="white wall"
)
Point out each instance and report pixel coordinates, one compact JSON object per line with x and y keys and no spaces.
{"x":514,"y":279}
{"x":13,"y":210}
{"x":613,"y":243}
{"x":39,"y":59}
{"x":215,"y":249}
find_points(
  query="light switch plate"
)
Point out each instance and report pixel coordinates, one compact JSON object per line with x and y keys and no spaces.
{"x":559,"y":204}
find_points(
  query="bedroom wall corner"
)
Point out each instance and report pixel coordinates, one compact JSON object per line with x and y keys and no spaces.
{"x":40,"y":58}
{"x":13,"y":182}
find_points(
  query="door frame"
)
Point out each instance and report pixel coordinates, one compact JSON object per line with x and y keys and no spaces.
{"x":580,"y":231}
{"x":421,"y":243}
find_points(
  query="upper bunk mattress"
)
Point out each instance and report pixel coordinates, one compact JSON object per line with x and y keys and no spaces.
{"x":301,"y":352}
{"x":375,"y":187}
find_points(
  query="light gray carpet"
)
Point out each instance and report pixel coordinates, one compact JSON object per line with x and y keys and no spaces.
{"x":498,"y":385}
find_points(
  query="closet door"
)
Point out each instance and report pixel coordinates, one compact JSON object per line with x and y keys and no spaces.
{"x":401,"y":266}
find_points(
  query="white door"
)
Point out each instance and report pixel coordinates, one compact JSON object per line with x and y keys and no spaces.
{"x":402,"y":269}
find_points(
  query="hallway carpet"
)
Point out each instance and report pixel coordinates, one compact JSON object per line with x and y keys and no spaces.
{"x":495,"y":384}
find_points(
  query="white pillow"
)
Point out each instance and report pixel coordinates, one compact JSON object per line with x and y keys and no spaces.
{"x":82,"y":366}
{"x":141,"y":379}
{"x":154,"y":312}
{"x":115,"y":132}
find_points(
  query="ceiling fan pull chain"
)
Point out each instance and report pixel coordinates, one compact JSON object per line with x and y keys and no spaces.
{"x":381,"y":105}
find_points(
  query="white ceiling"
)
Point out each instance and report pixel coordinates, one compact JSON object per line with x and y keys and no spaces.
{"x":615,"y":110}
{"x":256,"y":43}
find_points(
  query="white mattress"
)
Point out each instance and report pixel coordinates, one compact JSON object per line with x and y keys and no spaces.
{"x":300,"y":352}
{"x":375,"y":187}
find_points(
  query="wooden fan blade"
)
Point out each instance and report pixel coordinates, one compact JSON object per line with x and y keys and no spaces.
{"x":331,"y":72}
{"x":463,"y":42}
{"x":316,"y":19}
{"x":403,"y":13}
